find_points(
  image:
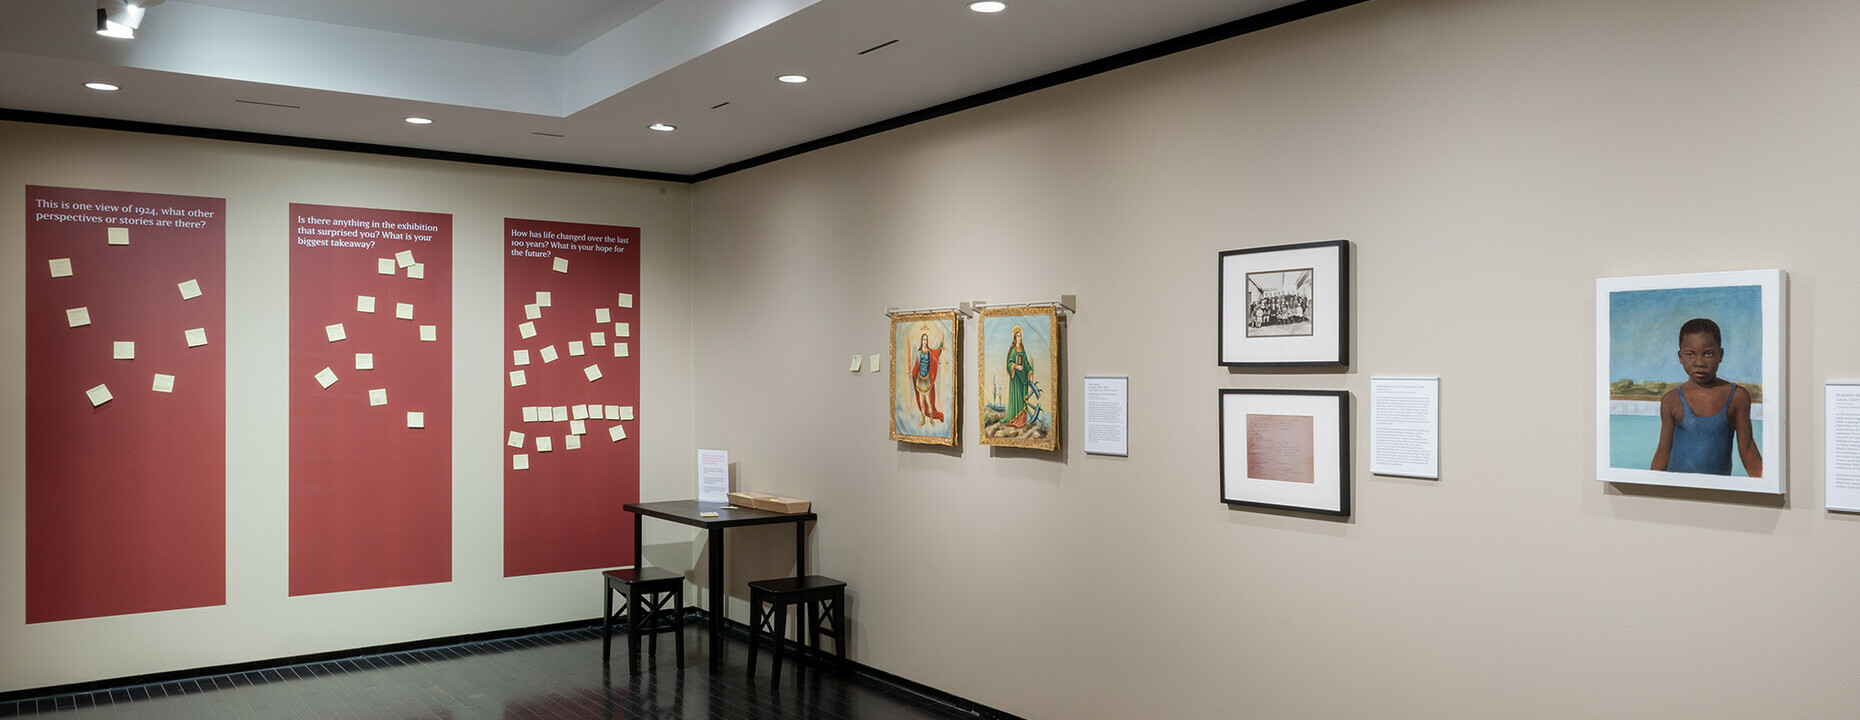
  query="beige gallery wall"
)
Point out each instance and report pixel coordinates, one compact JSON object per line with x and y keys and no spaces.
{"x":259,"y":621}
{"x":1490,"y":160}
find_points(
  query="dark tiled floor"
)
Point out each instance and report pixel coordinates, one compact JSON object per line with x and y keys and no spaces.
{"x":536,"y":677}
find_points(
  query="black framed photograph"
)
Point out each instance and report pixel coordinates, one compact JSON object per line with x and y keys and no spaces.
{"x":1285,"y":305}
{"x":1286,"y":449}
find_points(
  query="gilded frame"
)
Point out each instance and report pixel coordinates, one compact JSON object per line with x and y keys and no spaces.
{"x":1034,"y":397}
{"x":933,"y":417}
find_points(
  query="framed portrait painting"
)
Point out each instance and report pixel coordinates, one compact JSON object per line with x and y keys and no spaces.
{"x":1689,"y":380}
{"x":1018,"y":370}
{"x":925,"y":386}
{"x":1285,"y":305}
{"x":1286,"y":449}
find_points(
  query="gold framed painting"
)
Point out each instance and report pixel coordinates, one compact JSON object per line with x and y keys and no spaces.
{"x":925,"y":384}
{"x":1018,"y":370}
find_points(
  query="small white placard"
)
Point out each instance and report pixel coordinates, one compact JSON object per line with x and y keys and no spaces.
{"x":326,"y":377}
{"x":163,"y":383}
{"x":517,"y":378}
{"x":1843,"y":446}
{"x":429,"y":333}
{"x":196,"y":337}
{"x":377,"y":397}
{"x":416,"y":419}
{"x":1404,"y":427}
{"x":61,"y":267}
{"x":576,"y":348}
{"x":403,"y":258}
{"x":124,"y":350}
{"x":189,"y":289}
{"x":561,"y":264}
{"x":78,"y":316}
{"x":713,"y":475}
{"x":403,"y":311}
{"x":1107,"y":415}
{"x":417,"y":271}
{"x":119,"y":236}
{"x":520,"y":357}
{"x":364,"y":361}
{"x":365,"y":303}
{"x":98,"y":395}
{"x":593,"y":372}
{"x":626,"y":300}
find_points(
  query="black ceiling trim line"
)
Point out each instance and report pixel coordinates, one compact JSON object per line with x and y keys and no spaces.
{"x":84,"y":121}
{"x":1225,"y":31}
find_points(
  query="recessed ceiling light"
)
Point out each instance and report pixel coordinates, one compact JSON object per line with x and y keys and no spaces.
{"x":661,"y":127}
{"x":419,"y":121}
{"x":988,"y":6}
{"x":793,"y":79}
{"x":104,"y":86}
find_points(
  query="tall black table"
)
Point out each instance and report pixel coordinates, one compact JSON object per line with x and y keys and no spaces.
{"x":689,"y":512}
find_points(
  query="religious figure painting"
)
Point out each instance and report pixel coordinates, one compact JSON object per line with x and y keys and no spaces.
{"x":1018,"y":370}
{"x":924,"y":379}
{"x":1689,"y":380}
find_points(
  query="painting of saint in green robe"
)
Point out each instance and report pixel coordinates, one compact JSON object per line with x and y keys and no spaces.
{"x":1019,"y":377}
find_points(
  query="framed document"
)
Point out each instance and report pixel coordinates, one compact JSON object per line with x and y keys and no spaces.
{"x":1286,"y":449}
{"x":1285,"y":305}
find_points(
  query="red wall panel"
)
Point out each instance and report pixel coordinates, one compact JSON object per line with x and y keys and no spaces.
{"x":564,"y":511}
{"x":126,"y":500}
{"x":371,"y":497}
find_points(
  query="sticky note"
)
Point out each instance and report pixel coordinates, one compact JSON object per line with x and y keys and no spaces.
{"x":542,"y":298}
{"x":416,"y":419}
{"x":196,"y":337}
{"x":335,"y":332}
{"x":576,"y":348}
{"x":385,"y":266}
{"x":578,"y":412}
{"x":519,"y":357}
{"x":623,"y":330}
{"x":595,"y":413}
{"x":403,"y":258}
{"x":593,"y":372}
{"x":519,"y":461}
{"x":326,"y":377}
{"x":559,"y":413}
{"x":857,"y":359}
{"x":577,"y":427}
{"x":626,"y":300}
{"x":417,"y":271}
{"x":98,"y":395}
{"x":163,"y":383}
{"x":572,"y":442}
{"x":403,"y":311}
{"x":377,"y":396}
{"x":119,"y":236}
{"x":515,"y":440}
{"x":544,"y":443}
{"x":872,"y":363}
{"x":622,"y":350}
{"x":597,"y":339}
{"x":61,"y":267}
{"x":517,"y":379}
{"x":189,"y":289}
{"x":707,"y":514}
{"x":78,"y":316}
{"x":364,"y":361}
{"x":527,"y":330}
{"x":429,"y":333}
{"x":548,"y":353}
{"x":613,"y":412}
{"x":365,"y":303}
{"x":617,"y":432}
{"x":626,"y":412}
{"x":561,"y":265}
{"x":124,"y":350}
{"x":529,"y":413}
{"x":603,"y":315}
{"x":532,"y":311}
{"x":545,"y":414}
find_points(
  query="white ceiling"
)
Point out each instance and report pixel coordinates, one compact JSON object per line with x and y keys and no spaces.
{"x":570,"y":81}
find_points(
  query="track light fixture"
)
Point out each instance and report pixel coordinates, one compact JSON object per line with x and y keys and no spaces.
{"x":120,"y":18}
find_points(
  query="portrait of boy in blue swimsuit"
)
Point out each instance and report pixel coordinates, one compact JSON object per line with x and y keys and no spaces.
{"x":1700,"y":419}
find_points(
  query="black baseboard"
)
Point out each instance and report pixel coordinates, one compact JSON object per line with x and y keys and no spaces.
{"x":257,"y":665}
{"x":920,"y":693}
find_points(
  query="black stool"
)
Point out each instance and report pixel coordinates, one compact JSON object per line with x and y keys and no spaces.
{"x":648,"y":592}
{"x":825,"y":599}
